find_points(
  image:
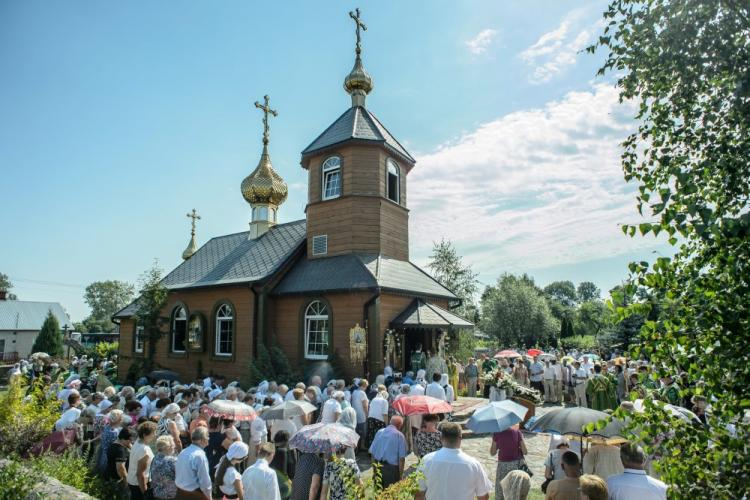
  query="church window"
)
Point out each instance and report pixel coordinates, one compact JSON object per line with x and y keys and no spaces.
{"x":138,"y":338}
{"x":179,"y":329}
{"x":332,"y":178}
{"x":392,"y":186}
{"x":317,"y":327}
{"x":224,"y":330}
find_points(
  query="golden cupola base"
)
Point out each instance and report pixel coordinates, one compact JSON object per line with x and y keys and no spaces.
{"x":264,"y":189}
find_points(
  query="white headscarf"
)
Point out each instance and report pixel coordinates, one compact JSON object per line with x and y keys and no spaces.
{"x":444,"y":379}
{"x":237,"y":450}
{"x":388,"y":371}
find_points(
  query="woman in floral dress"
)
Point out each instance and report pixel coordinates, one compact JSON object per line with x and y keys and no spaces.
{"x":163,"y":469}
{"x":334,"y":473}
{"x":108,"y":436}
{"x":427,"y":439}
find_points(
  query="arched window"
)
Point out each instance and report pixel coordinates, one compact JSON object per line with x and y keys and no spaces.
{"x":332,"y":178}
{"x":393,"y":181}
{"x":224,"y":330}
{"x":179,"y":329}
{"x":317,"y":328}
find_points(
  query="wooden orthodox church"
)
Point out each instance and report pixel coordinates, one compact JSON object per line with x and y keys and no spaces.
{"x":334,"y":287}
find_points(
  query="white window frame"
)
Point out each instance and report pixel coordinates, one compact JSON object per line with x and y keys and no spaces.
{"x":138,"y":341}
{"x":225,"y":314}
{"x":175,"y":318}
{"x":313,"y":315}
{"x":397,"y":172}
{"x":331,"y":166}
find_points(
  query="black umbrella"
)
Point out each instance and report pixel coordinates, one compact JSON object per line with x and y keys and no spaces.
{"x":574,"y":420}
{"x":164,"y":375}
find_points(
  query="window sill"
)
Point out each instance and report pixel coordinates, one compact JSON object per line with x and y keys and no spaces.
{"x":222,"y":357}
{"x":317,"y":358}
{"x":177,"y":354}
{"x":323,"y":198}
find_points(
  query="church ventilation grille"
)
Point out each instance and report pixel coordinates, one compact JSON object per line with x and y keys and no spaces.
{"x":320,"y":244}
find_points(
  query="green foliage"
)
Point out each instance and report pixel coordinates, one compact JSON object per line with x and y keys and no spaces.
{"x":591,"y":317}
{"x":372,"y":489}
{"x":684,"y":64}
{"x":69,"y":468}
{"x":270,"y":364}
{"x":282,"y":369}
{"x":448,"y":269}
{"x":135,"y":371}
{"x":516,"y":313}
{"x":6,"y":285}
{"x":461,"y":345}
{"x":105,"y":350}
{"x":16,"y":481}
{"x":25,"y":421}
{"x":152,"y":297}
{"x":50,"y":338}
{"x":580,"y":342}
{"x":587,"y":291}
{"x":563,"y":292}
{"x":105,"y":298}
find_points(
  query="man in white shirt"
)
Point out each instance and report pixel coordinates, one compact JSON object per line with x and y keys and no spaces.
{"x":579,"y":384}
{"x":557,"y":381}
{"x":634,"y":482}
{"x":451,"y":474}
{"x":536,"y":375}
{"x":259,"y":481}
{"x":332,"y":409}
{"x":588,"y":366}
{"x":434,"y":389}
{"x":192,"y":477}
{"x":549,"y":382}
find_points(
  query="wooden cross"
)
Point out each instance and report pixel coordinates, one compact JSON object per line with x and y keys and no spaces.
{"x":193,"y":215}
{"x":358,"y":22}
{"x":266,"y":110}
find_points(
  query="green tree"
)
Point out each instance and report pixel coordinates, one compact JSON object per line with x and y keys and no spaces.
{"x":563,"y":292}
{"x":50,"y":338}
{"x":106,"y":298}
{"x":591,"y":318}
{"x":152,"y":297}
{"x":587,"y":291}
{"x":516,"y":313}
{"x":684,"y":63}
{"x":5,"y":286}
{"x":449,"y":270}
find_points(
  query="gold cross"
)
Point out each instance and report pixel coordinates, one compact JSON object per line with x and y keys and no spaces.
{"x":357,"y":21}
{"x":193,"y":215}
{"x":266,"y":110}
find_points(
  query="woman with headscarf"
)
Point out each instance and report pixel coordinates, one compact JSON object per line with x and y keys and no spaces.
{"x":450,"y":395}
{"x":349,"y":419}
{"x":228,"y":480}
{"x":516,"y":485}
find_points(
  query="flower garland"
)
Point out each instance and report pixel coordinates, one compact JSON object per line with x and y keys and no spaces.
{"x":505,"y":382}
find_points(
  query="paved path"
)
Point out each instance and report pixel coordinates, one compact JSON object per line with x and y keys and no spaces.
{"x":479,"y":448}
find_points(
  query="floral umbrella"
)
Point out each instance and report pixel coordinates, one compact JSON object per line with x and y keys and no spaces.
{"x":421,"y":405}
{"x":231,"y":409}
{"x":323,"y":438}
{"x":508,"y":353}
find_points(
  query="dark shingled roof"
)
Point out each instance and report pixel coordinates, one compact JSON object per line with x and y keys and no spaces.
{"x":357,"y":123}
{"x":421,"y":314}
{"x":358,"y":272}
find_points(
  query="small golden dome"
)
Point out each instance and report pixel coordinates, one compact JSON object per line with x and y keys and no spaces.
{"x":191,"y":248}
{"x":264,"y":185}
{"x":358,"y":79}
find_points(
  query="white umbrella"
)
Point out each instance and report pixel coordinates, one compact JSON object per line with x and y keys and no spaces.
{"x":288,"y":409}
{"x":231,"y":409}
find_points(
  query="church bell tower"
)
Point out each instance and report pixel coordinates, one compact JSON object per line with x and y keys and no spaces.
{"x":357,"y":179}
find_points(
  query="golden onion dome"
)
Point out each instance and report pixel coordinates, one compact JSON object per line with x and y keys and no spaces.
{"x":358,"y":79}
{"x":264,"y":185}
{"x":191,"y":248}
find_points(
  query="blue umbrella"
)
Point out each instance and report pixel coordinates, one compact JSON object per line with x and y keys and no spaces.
{"x":496,"y":417}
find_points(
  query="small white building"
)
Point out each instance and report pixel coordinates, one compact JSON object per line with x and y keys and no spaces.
{"x":20,"y":323}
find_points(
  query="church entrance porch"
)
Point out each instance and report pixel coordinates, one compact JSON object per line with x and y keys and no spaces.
{"x":421,"y":325}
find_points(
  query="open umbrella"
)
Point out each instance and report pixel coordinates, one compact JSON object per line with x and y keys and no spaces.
{"x":507,"y":353}
{"x":288,"y":409}
{"x":231,"y":409}
{"x":323,"y":438}
{"x":573,"y":420}
{"x":546,"y":355}
{"x":591,"y":356}
{"x":496,"y":417}
{"x":675,"y":411}
{"x":534,"y":352}
{"x":421,"y":405}
{"x":164,"y":375}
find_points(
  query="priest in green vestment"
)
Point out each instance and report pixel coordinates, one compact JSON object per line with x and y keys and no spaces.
{"x":598,"y":390}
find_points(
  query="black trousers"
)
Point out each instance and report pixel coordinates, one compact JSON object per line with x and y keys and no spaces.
{"x":390,"y":473}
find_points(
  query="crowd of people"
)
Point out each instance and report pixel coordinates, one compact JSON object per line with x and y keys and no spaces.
{"x":159,"y":439}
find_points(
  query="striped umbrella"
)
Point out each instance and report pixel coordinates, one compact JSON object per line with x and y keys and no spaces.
{"x":323,"y":438}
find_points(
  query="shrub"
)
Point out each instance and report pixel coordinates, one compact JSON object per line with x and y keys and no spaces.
{"x":270,"y":364}
{"x":24,"y":421}
{"x":105,"y":350}
{"x":69,"y":468}
{"x":16,"y":481}
{"x":580,"y":342}
{"x":372,"y":489}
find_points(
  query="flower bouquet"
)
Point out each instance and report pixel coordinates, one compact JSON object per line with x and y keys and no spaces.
{"x":505,"y":382}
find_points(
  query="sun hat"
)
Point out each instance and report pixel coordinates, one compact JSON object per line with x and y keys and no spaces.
{"x":237,"y":450}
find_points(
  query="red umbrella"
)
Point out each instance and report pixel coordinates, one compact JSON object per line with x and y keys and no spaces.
{"x":508,"y":353}
{"x":534,"y":352}
{"x":421,"y":405}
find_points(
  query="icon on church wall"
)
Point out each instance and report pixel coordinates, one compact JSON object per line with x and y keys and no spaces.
{"x":196,"y":330}
{"x":357,"y":344}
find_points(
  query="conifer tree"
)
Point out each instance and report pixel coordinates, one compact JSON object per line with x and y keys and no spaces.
{"x":49,"y":339}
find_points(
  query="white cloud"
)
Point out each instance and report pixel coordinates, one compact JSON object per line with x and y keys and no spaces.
{"x":557,"y":49}
{"x":532,"y":189}
{"x":480,"y":43}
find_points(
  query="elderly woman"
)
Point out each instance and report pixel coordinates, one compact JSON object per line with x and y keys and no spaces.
{"x":108,"y":436}
{"x":450,"y":394}
{"x":139,"y":461}
{"x":168,"y":424}
{"x":228,"y":479}
{"x":163,"y":469}
{"x":334,"y":473}
{"x":377,"y":417}
{"x":349,"y":419}
{"x":510,"y":449}
{"x":516,"y":485}
{"x":117,"y":461}
{"x":427,"y":439}
{"x":553,"y":463}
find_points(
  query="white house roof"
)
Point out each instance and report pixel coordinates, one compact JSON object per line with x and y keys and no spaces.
{"x":25,"y":315}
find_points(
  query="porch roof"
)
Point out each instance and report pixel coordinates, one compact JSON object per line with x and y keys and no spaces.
{"x":420,"y":314}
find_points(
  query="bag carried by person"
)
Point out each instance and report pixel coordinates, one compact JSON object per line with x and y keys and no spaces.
{"x":550,"y":479}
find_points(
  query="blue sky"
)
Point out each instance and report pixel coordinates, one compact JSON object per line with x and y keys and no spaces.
{"x":120,"y":117}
